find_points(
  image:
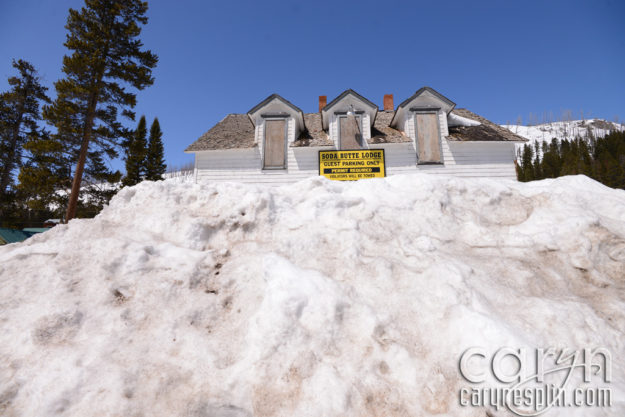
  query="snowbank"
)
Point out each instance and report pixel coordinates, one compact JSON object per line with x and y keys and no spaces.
{"x":315,"y":299}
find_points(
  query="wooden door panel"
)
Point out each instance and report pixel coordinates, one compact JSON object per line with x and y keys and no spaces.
{"x":428,"y":138}
{"x":349,"y":133}
{"x":274,"y":143}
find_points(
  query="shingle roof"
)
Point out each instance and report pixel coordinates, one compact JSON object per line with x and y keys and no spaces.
{"x":236,"y":131}
{"x":486,"y":131}
{"x":233,"y":132}
{"x":383,"y":133}
{"x":314,"y":135}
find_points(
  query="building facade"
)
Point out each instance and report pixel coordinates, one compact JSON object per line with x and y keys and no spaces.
{"x":275,"y":142}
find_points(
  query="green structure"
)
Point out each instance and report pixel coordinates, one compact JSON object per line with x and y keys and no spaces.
{"x":14,"y":236}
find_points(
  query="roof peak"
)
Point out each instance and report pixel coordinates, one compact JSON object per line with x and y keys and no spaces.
{"x":271,"y":98}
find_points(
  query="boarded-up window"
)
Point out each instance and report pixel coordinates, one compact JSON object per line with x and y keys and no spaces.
{"x":428,"y":139}
{"x":350,"y":132}
{"x":274,"y":143}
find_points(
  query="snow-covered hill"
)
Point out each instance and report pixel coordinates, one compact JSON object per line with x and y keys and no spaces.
{"x":597,"y":128}
{"x":315,"y":299}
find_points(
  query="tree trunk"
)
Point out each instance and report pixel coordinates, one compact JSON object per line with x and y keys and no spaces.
{"x":82,"y":157}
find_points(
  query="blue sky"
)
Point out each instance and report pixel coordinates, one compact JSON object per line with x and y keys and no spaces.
{"x":500,"y":59}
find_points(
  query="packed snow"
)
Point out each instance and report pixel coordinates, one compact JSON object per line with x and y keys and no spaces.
{"x":315,"y":299}
{"x":596,"y":128}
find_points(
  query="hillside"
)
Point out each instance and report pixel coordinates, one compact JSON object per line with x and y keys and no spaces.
{"x":566,"y":130}
{"x":314,"y":299}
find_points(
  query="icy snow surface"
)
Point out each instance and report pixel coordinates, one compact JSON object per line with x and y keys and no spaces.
{"x":315,"y":299}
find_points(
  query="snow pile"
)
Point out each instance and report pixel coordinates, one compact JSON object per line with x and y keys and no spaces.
{"x":573,"y":129}
{"x":314,"y":299}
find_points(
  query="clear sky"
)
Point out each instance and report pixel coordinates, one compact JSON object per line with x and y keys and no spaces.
{"x":500,"y":59}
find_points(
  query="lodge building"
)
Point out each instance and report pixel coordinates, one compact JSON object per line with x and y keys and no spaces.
{"x":275,"y":142}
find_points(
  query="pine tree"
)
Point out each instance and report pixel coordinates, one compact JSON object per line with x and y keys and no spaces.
{"x":584,"y":159}
{"x":551,"y":162}
{"x":155,"y":161}
{"x":19,"y":114}
{"x":45,"y":174}
{"x":136,"y":155}
{"x":538,"y":174}
{"x":106,"y":56}
{"x":527,"y":168}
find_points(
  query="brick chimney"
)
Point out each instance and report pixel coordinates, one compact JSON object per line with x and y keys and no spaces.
{"x":388,"y":102}
{"x":323,"y":100}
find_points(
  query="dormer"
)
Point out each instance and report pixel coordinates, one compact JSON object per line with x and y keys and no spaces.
{"x":423,"y":117}
{"x":277,"y":123}
{"x":348,"y":120}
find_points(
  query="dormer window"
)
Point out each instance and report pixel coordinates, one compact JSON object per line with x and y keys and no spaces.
{"x":277,"y":123}
{"x":423,"y":117}
{"x":348,"y":119}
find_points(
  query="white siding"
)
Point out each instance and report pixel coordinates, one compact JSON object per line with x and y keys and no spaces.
{"x":467,"y":159}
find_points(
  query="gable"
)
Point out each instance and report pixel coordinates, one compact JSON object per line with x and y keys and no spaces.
{"x":344,"y":102}
{"x":424,"y":99}
{"x":273,"y":106}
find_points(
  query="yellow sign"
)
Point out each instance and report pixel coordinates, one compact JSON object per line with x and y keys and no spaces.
{"x":352,"y":165}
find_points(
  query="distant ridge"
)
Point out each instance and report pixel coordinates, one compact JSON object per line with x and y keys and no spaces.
{"x":571,"y":129}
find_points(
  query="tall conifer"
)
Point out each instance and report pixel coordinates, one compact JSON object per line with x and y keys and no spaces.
{"x":155,"y":161}
{"x":136,"y":155}
{"x":106,"y":56}
{"x":19,"y":114}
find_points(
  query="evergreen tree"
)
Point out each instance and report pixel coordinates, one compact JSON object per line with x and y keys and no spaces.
{"x":106,"y":56}
{"x":19,"y":114}
{"x":136,"y":151}
{"x":551,"y":160}
{"x":569,"y":158}
{"x":584,"y":161}
{"x":155,"y":161}
{"x":527,"y":168}
{"x":609,"y":160}
{"x":45,"y":175}
{"x":600,"y":158}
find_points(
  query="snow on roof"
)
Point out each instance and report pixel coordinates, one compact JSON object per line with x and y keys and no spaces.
{"x":454,"y":119}
{"x":484,"y":130}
